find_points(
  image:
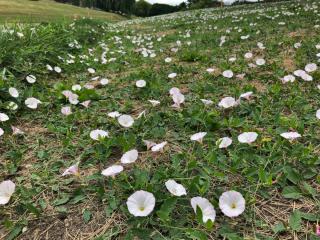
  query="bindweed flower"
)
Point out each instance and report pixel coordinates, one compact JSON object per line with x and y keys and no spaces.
{"x":227,"y":102}
{"x":247,"y":137}
{"x":6,"y":190}
{"x":86,"y":103}
{"x":224,"y":142}
{"x":16,"y":131}
{"x":73,"y":170}
{"x":207,"y":209}
{"x":104,"y":81}
{"x":112,"y":170}
{"x":1,"y":132}
{"x":159,"y":147}
{"x":232,"y":203}
{"x":154,"y":102}
{"x":141,"y":83}
{"x":311,"y":67}
{"x":91,"y":70}
{"x":3,"y":117}
{"x":66,"y":111}
{"x":260,"y":62}
{"x":318,"y":230}
{"x":227,"y":74}
{"x":172,"y":75}
{"x":125,"y":121}
{"x":141,"y":203}
{"x":290,"y":135}
{"x":31,"y":79}
{"x":98,"y":134}
{"x":130,"y":156}
{"x":57,"y":69}
{"x":198,"y":136}
{"x":206,"y":102}
{"x":32,"y":103}
{"x":175,"y":188}
{"x":114,"y":114}
{"x":288,"y":78}
{"x":246,"y":95}
{"x":149,"y":144}
{"x":13,"y":92}
{"x":318,"y":114}
{"x":76,"y":87}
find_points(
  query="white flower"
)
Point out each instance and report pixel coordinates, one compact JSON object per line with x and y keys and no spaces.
{"x":1,"y":132}
{"x":76,"y":87}
{"x":141,"y":203}
{"x":67,"y":93}
{"x":299,"y":72}
{"x":206,"y":102}
{"x":49,"y":68}
{"x":158,"y":147}
{"x":66,"y":110}
{"x":198,"y":136}
{"x":175,"y":188}
{"x":3,"y":117}
{"x":104,"y":81}
{"x":178,"y":99}
{"x":290,"y":135}
{"x":260,"y":62}
{"x":125,"y":121}
{"x":168,"y":60}
{"x":172,"y":75}
{"x":6,"y":190}
{"x":32,"y":102}
{"x":149,"y":144}
{"x":112,"y":170}
{"x":246,"y":95}
{"x":73,"y":99}
{"x":227,"y":74}
{"x":224,"y":142}
{"x":208,"y":212}
{"x":141,"y":83}
{"x":154,"y":102}
{"x":232,"y":203}
{"x":248,"y":55}
{"x":73,"y":170}
{"x":306,"y":77}
{"x":98,"y":134}
{"x":57,"y":69}
{"x":210,"y":70}
{"x":86,"y":103}
{"x":91,"y":70}
{"x":16,"y":131}
{"x":288,"y":78}
{"x":311,"y":67}
{"x":13,"y":92}
{"x":247,"y":137}
{"x":129,"y":157}
{"x":31,"y":79}
{"x":228,"y":102}
{"x":114,"y":114}
{"x":174,"y":91}
{"x":318,"y":114}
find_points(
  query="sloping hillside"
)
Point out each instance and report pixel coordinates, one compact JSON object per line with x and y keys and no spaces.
{"x":47,"y":10}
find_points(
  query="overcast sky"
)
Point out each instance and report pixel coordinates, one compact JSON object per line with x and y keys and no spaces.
{"x":171,"y":2}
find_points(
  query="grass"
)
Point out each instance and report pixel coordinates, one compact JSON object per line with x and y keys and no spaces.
{"x":47,"y":11}
{"x":279,"y":179}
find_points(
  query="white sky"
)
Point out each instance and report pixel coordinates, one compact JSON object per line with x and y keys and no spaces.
{"x":171,"y":2}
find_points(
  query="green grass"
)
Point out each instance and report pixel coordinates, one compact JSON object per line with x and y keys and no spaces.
{"x":279,"y":179}
{"x":47,"y":11}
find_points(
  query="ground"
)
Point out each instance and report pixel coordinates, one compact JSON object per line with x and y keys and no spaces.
{"x":47,"y":11}
{"x":279,"y":178}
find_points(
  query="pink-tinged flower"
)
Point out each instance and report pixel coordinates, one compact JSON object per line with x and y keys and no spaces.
{"x":86,"y":103}
{"x":16,"y":131}
{"x":6,"y":190}
{"x":66,"y":110}
{"x":73,"y":170}
{"x":318,"y":230}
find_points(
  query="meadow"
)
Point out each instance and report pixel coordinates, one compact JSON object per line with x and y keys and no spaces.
{"x":195,"y":125}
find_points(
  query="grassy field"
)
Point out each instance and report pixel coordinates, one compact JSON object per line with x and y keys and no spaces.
{"x":249,"y":53}
{"x":47,"y":11}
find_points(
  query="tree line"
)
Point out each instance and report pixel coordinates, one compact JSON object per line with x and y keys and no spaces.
{"x":143,"y":8}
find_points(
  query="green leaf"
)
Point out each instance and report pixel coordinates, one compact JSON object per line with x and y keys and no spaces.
{"x":291,"y":192}
{"x":310,"y":190}
{"x":166,"y":209}
{"x":291,"y":174}
{"x":61,"y":201}
{"x":278,"y":228}
{"x":295,"y":221}
{"x":196,"y":234}
{"x":15,"y":232}
{"x":86,"y":215}
{"x":310,"y":216}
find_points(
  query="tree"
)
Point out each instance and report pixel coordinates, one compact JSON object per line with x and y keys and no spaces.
{"x":142,"y":8}
{"x":158,"y":9}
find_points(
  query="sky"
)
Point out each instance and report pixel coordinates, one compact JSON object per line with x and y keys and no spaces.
{"x":171,"y":2}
